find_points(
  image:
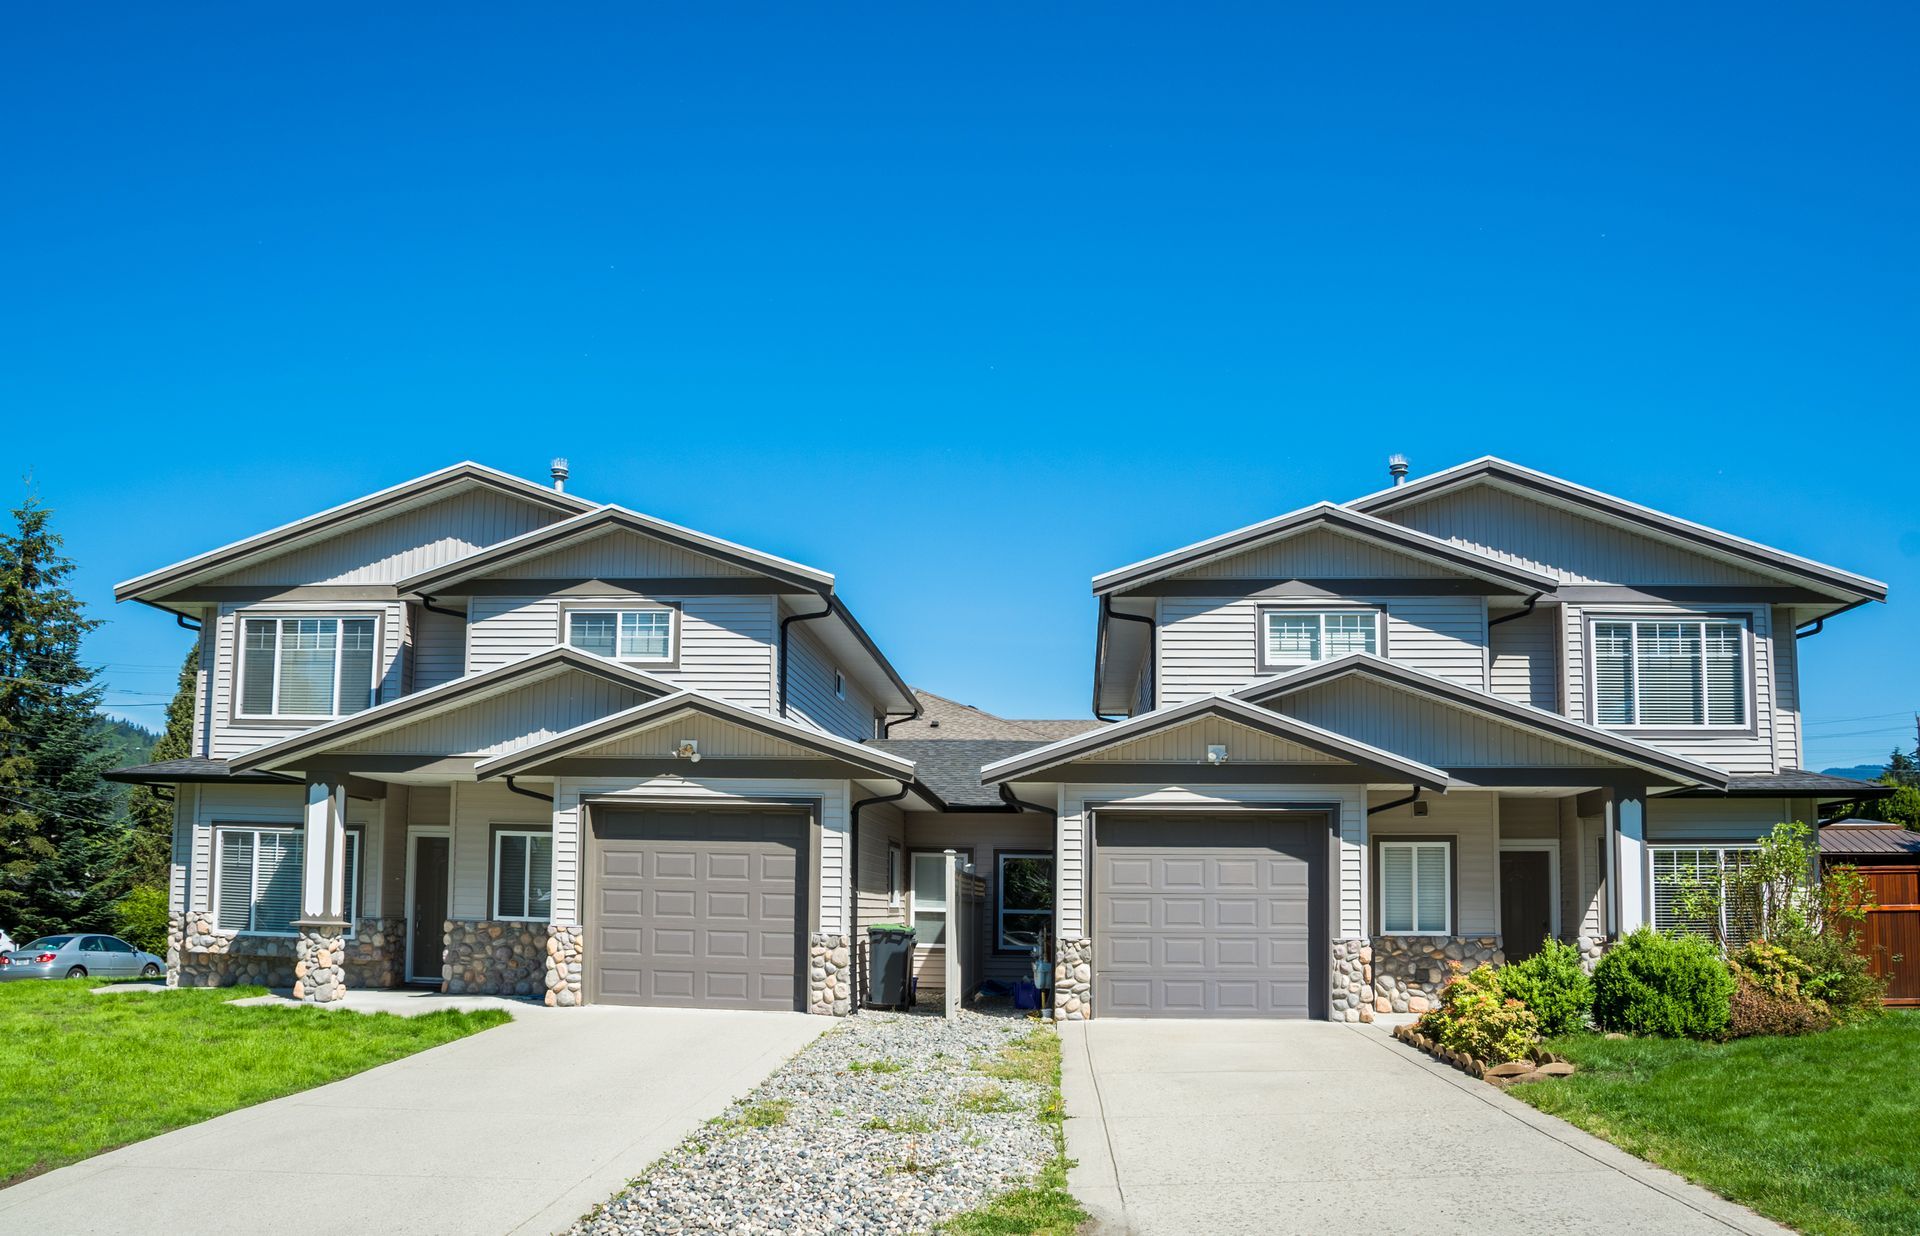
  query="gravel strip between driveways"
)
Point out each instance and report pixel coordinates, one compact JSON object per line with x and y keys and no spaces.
{"x":953,"y":1138}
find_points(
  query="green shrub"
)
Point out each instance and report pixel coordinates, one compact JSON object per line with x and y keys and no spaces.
{"x":1671,"y":985}
{"x":1476,"y":1017}
{"x":1838,"y":976}
{"x":1552,"y":986}
{"x":141,"y":918}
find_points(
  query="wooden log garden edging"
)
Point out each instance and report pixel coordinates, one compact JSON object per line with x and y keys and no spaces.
{"x":1539,"y":1065}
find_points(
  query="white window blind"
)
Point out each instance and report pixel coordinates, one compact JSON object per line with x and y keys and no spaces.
{"x":1297,"y":637}
{"x":623,"y":634}
{"x":1416,"y":888}
{"x":523,"y":876}
{"x":258,"y":887}
{"x":1677,"y":868}
{"x":306,"y":667}
{"x":1688,"y":672}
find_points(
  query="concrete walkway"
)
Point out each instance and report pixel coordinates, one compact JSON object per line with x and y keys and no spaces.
{"x":519,"y":1129}
{"x":1249,"y":1126}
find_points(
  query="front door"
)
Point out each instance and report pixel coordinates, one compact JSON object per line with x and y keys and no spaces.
{"x":1526,"y":901}
{"x":427,"y":921}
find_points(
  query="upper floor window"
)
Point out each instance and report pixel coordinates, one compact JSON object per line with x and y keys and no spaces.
{"x":623,"y":634}
{"x":1291,"y":637}
{"x":306,"y":667}
{"x":1670,"y":671}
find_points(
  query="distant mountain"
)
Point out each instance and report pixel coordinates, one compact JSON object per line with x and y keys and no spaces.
{"x":133,"y":742}
{"x":1859,"y":772}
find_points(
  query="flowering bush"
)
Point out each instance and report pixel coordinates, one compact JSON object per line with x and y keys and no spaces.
{"x":1476,"y":1017}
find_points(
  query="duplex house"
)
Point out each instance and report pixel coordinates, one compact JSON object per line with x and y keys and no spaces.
{"x":480,"y":733}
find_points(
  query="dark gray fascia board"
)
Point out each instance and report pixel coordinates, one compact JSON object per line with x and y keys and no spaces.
{"x":1593,"y":501}
{"x":1359,"y":524}
{"x":410,"y":707}
{"x":371,"y":506}
{"x":1552,"y":724}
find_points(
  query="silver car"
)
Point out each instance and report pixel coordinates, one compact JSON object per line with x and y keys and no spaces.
{"x":79,"y":955}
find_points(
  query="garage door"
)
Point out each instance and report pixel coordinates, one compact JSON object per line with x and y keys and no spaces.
{"x":697,"y":908}
{"x":1204,"y":916}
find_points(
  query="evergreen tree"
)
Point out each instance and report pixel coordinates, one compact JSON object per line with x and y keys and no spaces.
{"x":150,"y":849}
{"x":60,"y":834}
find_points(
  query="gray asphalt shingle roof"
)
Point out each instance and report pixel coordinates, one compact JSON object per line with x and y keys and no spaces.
{"x":950,"y":767}
{"x":187,"y":770}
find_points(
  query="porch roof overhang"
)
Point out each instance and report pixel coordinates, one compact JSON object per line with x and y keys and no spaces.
{"x":564,"y":752}
{"x":1660,"y":764}
{"x":193,"y":771}
{"x":1362,"y":761}
{"x":461,"y":692}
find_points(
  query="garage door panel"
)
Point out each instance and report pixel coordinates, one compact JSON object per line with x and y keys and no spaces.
{"x":698,"y":908}
{"x":1203,"y":916}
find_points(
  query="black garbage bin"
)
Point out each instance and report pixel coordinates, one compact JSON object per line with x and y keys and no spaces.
{"x":889,"y":965}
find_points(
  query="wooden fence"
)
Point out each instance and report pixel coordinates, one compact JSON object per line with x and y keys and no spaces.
{"x":1891,"y":935}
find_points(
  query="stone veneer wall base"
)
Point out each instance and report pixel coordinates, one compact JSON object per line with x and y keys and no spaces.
{"x":320,"y":964}
{"x":1073,"y":981}
{"x":829,"y":974}
{"x":1409,"y":971}
{"x":495,"y":958}
{"x":200,"y":954}
{"x":566,"y":947}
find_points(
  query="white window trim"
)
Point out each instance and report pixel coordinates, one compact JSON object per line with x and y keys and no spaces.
{"x":349,"y":893}
{"x":896,"y":875}
{"x":1749,"y":679}
{"x":913,"y":907}
{"x":1719,"y":849}
{"x":1322,"y":611}
{"x":626,"y":606}
{"x":1446,"y":847}
{"x":1000,"y":897}
{"x":526,"y":893}
{"x":242,"y":617}
{"x":1550,"y":846}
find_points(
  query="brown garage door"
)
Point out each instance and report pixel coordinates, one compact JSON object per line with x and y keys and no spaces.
{"x":697,"y":908}
{"x":1210,"y":916}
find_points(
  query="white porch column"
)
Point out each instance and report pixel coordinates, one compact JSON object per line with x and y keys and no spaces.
{"x":1627,"y":828}
{"x":319,"y":971}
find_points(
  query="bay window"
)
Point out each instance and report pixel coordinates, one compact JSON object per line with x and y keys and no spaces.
{"x":1683,"y":672}
{"x":306,"y":666}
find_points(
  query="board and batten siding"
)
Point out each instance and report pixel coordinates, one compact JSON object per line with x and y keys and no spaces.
{"x":1319,"y":554}
{"x":228,"y":737}
{"x":1427,"y":730}
{"x":1472,"y":820}
{"x":810,"y":694}
{"x":1524,"y":658}
{"x":830,"y":886}
{"x":505,"y":722}
{"x":1070,"y":837}
{"x":726,"y":642}
{"x":1747,"y":751}
{"x":403,"y":544}
{"x":1211,"y":645}
{"x":1575,"y":549}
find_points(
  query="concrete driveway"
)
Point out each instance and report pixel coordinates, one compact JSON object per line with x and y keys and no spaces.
{"x":1264,"y":1126}
{"x":518,"y":1129}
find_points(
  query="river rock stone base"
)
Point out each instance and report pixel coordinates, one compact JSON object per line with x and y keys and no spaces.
{"x":1591,"y":949}
{"x":320,"y":965}
{"x":377,"y":953}
{"x":1352,"y":972}
{"x":495,"y":959}
{"x":566,"y":947}
{"x":829,"y":975}
{"x":200,"y":954}
{"x":1539,"y":1065}
{"x":1073,"y":981}
{"x":1409,"y":971}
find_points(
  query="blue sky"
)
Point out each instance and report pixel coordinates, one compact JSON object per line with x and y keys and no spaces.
{"x":966,"y":306}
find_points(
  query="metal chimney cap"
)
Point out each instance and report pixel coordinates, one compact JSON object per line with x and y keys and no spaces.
{"x":1397,"y":468}
{"x":559,"y":470}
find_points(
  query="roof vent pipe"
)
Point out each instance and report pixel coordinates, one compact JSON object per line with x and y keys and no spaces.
{"x":1396,"y":468}
{"x":559,"y":467}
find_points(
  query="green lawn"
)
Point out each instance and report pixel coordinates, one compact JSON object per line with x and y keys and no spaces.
{"x":81,"y":1073}
{"x":1815,"y":1132}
